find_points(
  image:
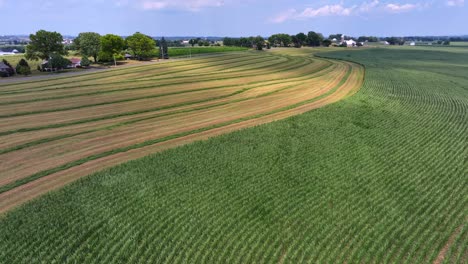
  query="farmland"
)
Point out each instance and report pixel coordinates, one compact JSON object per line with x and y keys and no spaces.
{"x":54,"y":131}
{"x":173,"y":52}
{"x":376,"y":177}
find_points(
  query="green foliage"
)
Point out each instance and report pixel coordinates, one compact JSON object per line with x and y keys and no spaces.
{"x":15,"y":59}
{"x":314,"y":39}
{"x":85,"y":61}
{"x":112,"y":44}
{"x":43,"y":44}
{"x":141,"y":46}
{"x":163,"y":50}
{"x":280,"y":40}
{"x":259,"y":42}
{"x":10,"y":71}
{"x":302,"y":38}
{"x":105,"y":57}
{"x":57,"y":62}
{"x":326,"y":42}
{"x":23,"y":68}
{"x":395,"y":41}
{"x":335,"y":36}
{"x":192,"y":42}
{"x":89,"y":44}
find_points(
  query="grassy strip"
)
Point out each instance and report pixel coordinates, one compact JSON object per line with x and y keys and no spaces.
{"x":133,"y":99}
{"x":69,"y":165}
{"x":22,"y":130}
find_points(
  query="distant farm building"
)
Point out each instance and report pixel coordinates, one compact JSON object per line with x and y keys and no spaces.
{"x":350,"y":43}
{"x":75,"y":63}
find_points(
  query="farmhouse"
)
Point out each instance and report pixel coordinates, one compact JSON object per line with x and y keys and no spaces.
{"x":350,"y":43}
{"x":75,"y":62}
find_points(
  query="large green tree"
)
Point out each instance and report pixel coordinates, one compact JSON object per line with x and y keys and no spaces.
{"x":301,"y":38}
{"x":163,"y":51}
{"x":314,"y":39}
{"x":142,"y":46}
{"x":23,"y":67}
{"x":112,"y":45}
{"x":282,"y":40}
{"x":43,"y":44}
{"x":259,"y":42}
{"x":89,"y":43}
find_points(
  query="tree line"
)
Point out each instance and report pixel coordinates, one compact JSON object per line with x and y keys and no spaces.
{"x":311,"y":39}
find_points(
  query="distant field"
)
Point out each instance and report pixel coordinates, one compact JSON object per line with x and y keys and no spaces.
{"x":461,"y":43}
{"x":175,"y":52}
{"x":377,"y":177}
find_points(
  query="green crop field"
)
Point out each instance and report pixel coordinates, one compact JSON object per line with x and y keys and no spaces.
{"x":376,"y":177}
{"x":186,"y":51}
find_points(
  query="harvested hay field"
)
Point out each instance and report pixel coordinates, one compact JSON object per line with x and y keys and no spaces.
{"x":55,"y":131}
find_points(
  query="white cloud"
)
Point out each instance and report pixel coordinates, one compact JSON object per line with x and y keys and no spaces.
{"x":367,"y":7}
{"x":396,"y":8}
{"x":342,"y":10}
{"x":192,"y":5}
{"x":456,"y":3}
{"x":327,"y":10}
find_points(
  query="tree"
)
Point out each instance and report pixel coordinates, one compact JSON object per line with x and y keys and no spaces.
{"x":57,"y":62}
{"x":163,"y":51}
{"x":43,"y":44}
{"x":326,"y":42}
{"x":302,"y":38}
{"x":112,"y":45}
{"x":142,"y":46}
{"x":314,"y":39}
{"x":192,"y":42}
{"x":395,"y":41}
{"x":296,"y":41}
{"x":335,"y":36}
{"x":85,"y":61}
{"x":89,"y":43}
{"x":282,"y":40}
{"x":259,"y":42}
{"x":10,"y":70}
{"x":23,"y":68}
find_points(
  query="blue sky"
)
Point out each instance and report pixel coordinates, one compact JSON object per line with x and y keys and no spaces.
{"x":235,"y":17}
